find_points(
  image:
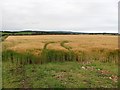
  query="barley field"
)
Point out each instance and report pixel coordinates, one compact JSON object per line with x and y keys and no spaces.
{"x":60,"y":61}
{"x":77,"y":42}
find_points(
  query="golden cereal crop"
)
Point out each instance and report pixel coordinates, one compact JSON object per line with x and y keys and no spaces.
{"x":77,"y":42}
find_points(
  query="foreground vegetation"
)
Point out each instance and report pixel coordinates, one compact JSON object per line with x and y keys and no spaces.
{"x":42,"y":66}
{"x":60,"y":75}
{"x":48,"y":55}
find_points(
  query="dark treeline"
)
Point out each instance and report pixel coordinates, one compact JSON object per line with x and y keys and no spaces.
{"x":51,"y":33}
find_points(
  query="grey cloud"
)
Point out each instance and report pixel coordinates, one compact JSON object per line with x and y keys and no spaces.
{"x":76,"y":15}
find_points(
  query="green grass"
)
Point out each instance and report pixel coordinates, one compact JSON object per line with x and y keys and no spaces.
{"x":59,"y":75}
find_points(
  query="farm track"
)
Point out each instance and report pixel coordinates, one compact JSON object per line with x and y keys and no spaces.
{"x":62,"y":44}
{"x":46,"y":44}
{"x":65,"y":46}
{"x":4,"y":37}
{"x":24,"y":80}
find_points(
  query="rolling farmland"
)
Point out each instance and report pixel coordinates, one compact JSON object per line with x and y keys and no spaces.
{"x":76,"y":61}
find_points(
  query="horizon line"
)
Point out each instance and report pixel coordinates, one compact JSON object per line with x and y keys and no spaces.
{"x":18,"y":30}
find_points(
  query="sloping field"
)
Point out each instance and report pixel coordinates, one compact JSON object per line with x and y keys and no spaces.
{"x":76,"y":42}
{"x":78,"y":47}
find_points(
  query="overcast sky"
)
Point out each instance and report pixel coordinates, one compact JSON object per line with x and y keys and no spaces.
{"x":69,"y":15}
